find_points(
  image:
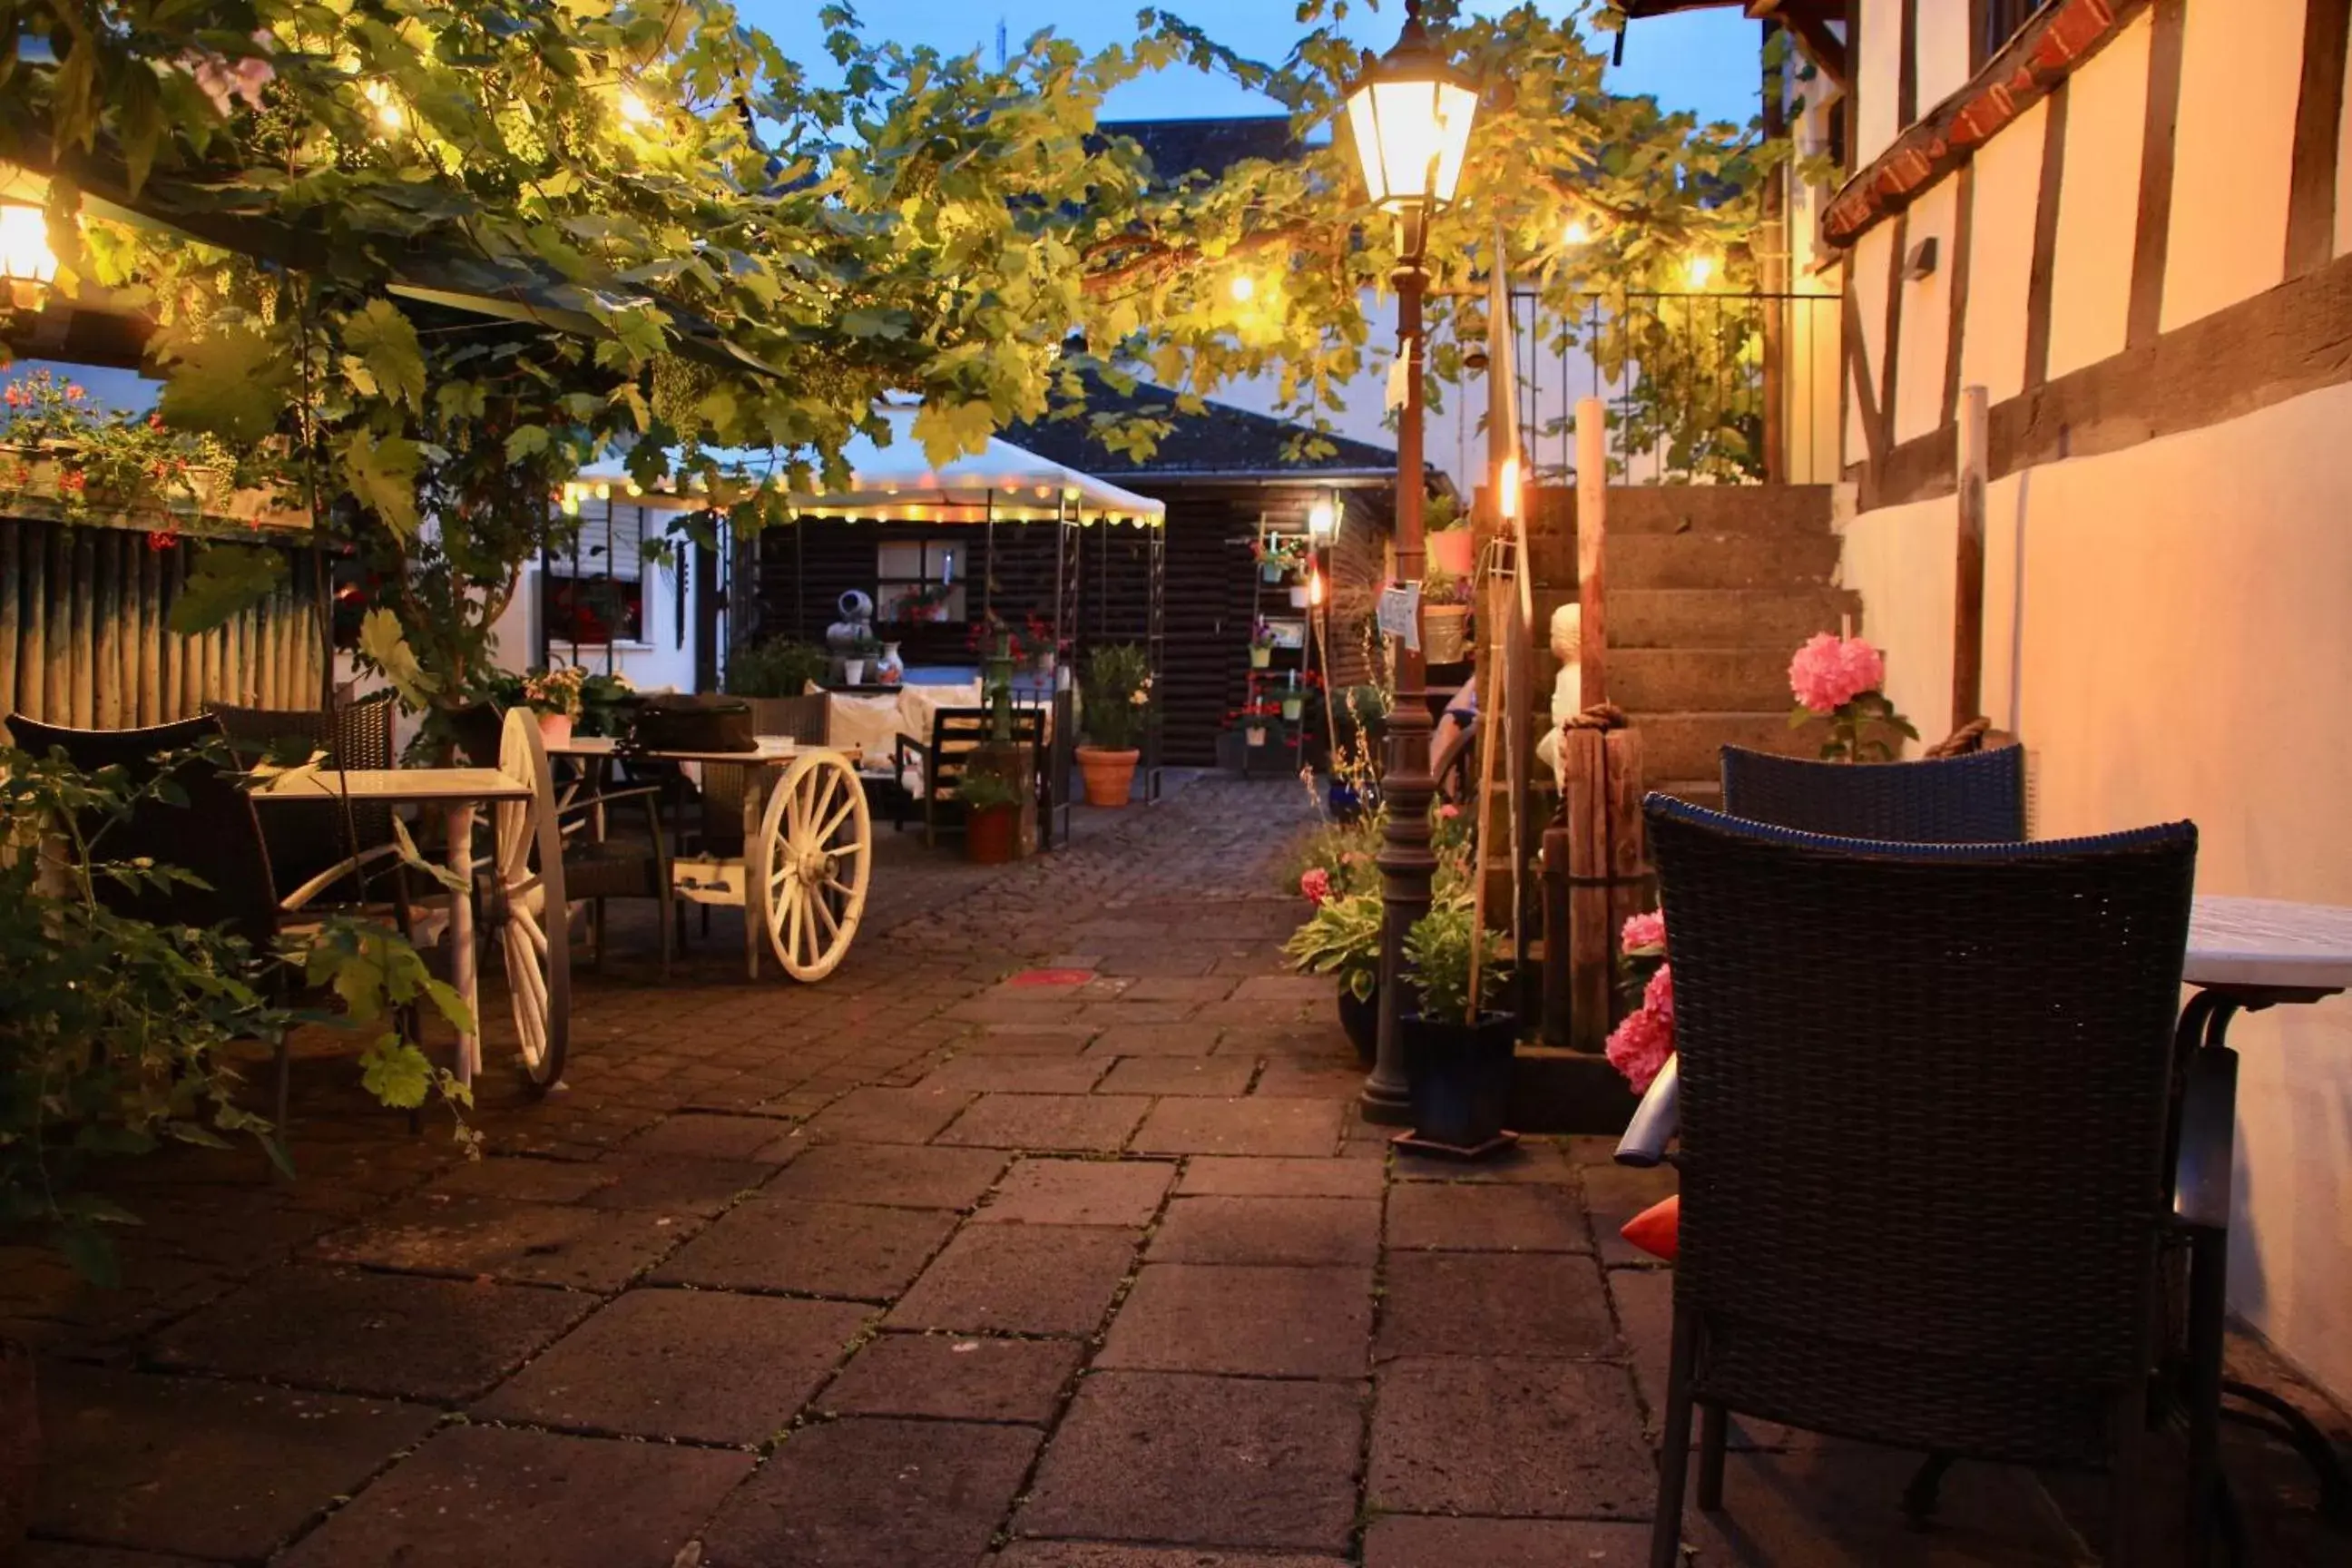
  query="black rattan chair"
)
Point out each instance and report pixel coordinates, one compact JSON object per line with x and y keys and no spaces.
{"x":954,"y":733}
{"x":1924,"y":1115}
{"x":307,"y":838}
{"x":802,"y":718}
{"x":1975,"y":798}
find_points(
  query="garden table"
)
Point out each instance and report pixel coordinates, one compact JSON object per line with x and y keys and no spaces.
{"x":808,"y":848}
{"x":521,"y":881}
{"x":2244,"y":954}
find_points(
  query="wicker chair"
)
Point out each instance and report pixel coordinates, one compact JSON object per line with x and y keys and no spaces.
{"x":723,"y":784}
{"x":955,"y":732}
{"x":1976,"y":798}
{"x":1923,"y":1180}
{"x":307,"y":839}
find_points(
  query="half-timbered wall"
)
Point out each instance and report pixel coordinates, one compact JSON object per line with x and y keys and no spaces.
{"x":2149,"y":267}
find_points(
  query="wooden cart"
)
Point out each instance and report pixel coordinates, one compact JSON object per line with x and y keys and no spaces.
{"x":808,"y":843}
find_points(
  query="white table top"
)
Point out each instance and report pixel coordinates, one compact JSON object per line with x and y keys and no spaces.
{"x":446,"y":786}
{"x":2268,"y":942}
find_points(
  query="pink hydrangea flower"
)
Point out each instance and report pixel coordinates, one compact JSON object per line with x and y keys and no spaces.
{"x":1658,"y":996}
{"x":1316,"y":883}
{"x":1642,"y":932}
{"x":1639,"y":1047}
{"x":1830,"y":671}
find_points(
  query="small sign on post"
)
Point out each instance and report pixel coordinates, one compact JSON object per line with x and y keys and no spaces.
{"x":1398,"y":613}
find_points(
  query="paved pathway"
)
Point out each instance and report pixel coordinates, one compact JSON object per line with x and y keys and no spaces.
{"x":1042,"y":1236}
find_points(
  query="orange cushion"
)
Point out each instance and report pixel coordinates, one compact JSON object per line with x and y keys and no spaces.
{"x":1657,"y":1229}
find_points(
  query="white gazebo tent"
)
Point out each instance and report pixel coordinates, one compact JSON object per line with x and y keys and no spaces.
{"x":999,"y":484}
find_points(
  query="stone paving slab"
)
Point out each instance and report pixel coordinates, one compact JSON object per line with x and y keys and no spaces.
{"x":1494,"y":1303}
{"x":527,"y":1499}
{"x":1269,"y":1230}
{"x":703,"y":1365}
{"x":886,"y":1116}
{"x":1079,"y":1192}
{"x":1076,"y":1122}
{"x":540,"y":1243}
{"x":1216,"y":1461}
{"x":676,"y":1185}
{"x":1644,"y":1301}
{"x":198,"y":1466}
{"x":1098,"y":1555}
{"x":52,"y":1554}
{"x":1258,"y":1124}
{"x":1139,"y":1037}
{"x":868,"y":1493}
{"x":1032,"y":1040}
{"x":707,"y":1137}
{"x":890,"y":1173}
{"x":1008,"y":1279}
{"x":1260,"y":1322}
{"x":1486,"y":1216}
{"x":1509,"y":1437}
{"x":1023,"y":1074}
{"x":956,"y":1377}
{"x":356,"y":1332}
{"x":1532,"y":1160}
{"x":535,"y":1181}
{"x":1253,"y":1177}
{"x":1222,"y":1077}
{"x":1413,"y":1540}
{"x":860,"y":1251}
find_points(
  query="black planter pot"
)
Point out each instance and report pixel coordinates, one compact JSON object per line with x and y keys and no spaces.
{"x":1361,"y":1019}
{"x":1461,"y":1079}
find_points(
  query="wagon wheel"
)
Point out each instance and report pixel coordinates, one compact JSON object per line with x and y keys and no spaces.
{"x":525,"y":909}
{"x":814,"y":853}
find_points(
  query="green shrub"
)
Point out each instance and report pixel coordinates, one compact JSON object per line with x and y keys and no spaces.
{"x":779,"y":667}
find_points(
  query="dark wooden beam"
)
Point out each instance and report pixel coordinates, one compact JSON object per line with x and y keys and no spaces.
{"x":1956,"y":317}
{"x":2152,"y":237}
{"x":2045,"y":240}
{"x":1890,"y":343}
{"x":2319,"y":110}
{"x":1907,"y":67}
{"x":2283,"y":344}
{"x":1857,"y":360}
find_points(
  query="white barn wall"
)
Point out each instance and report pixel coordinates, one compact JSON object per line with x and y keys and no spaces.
{"x":1877,"y":70}
{"x":2001,"y":256}
{"x":2099,"y":204}
{"x":2177,"y":660}
{"x":1943,"y":51}
{"x":2241,"y":78}
{"x":1927,"y":314}
{"x":1866,"y":284}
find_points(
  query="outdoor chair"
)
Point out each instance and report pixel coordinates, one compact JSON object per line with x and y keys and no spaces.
{"x":722,"y":824}
{"x":305,"y":838}
{"x":215,"y":836}
{"x":939,"y":764}
{"x":1977,"y":797}
{"x":1923,"y":1117}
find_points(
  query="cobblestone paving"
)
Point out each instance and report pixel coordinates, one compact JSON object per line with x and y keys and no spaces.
{"x":945,"y":1263}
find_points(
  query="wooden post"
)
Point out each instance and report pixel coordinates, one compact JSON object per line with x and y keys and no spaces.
{"x":106,"y":682}
{"x":12,"y":592}
{"x":1592,"y":530}
{"x":33,"y":661}
{"x":1968,"y":590}
{"x":1585,"y":798}
{"x":1496,"y":700}
{"x":150,"y":638}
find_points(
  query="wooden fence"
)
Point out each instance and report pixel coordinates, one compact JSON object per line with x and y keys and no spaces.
{"x":83,"y":639}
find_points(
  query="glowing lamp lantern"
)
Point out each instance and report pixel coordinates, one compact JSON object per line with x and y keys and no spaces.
{"x":27,"y":263}
{"x":1509,"y":490}
{"x":1313,"y":588}
{"x":1410,"y":112}
{"x":1322,"y":521}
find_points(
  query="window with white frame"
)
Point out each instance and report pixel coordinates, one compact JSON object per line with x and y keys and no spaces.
{"x":592,"y":593}
{"x":920,"y":580}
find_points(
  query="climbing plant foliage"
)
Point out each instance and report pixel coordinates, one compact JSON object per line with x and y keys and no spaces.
{"x":430,"y":257}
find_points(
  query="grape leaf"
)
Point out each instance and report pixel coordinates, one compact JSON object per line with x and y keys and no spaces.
{"x":383,"y":475}
{"x":225,"y":580}
{"x":384,"y":645}
{"x":230,"y":383}
{"x":386,"y":341}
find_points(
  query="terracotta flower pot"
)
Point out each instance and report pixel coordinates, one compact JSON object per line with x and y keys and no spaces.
{"x":992,"y":836}
{"x":555,"y":728}
{"x":1109,"y":774}
{"x":1453,"y":549}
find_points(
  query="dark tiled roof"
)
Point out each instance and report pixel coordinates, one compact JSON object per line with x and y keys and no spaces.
{"x":1221,"y":439}
{"x":1210,"y":147}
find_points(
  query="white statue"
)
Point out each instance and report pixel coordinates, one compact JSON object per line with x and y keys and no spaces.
{"x":1567,"y":693}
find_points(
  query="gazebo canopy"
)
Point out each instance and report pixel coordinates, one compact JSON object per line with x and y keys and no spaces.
{"x":896,"y":483}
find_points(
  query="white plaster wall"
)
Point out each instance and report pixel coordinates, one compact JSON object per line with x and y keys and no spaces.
{"x":2165,"y":628}
{"x":1877,"y":77}
{"x":1866,"y":281}
{"x":1943,"y":51}
{"x":2240,"y":74}
{"x":2098,"y":205}
{"x":2000,"y":255}
{"x":1927,"y":314}
{"x":657,"y":663}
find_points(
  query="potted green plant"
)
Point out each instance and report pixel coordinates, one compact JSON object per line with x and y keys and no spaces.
{"x":778,"y":667}
{"x":1458,"y":1048}
{"x":555,"y":698}
{"x":863,"y":650}
{"x":1445,"y":615}
{"x":1118,"y":705}
{"x":1342,"y":938}
{"x":1446,"y":536}
{"x":992,"y":822}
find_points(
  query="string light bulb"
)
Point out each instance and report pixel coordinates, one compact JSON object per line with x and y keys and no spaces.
{"x":1701,"y":269}
{"x":387,"y":109}
{"x":1577,"y":232}
{"x":1243,"y":288}
{"x":633,"y":110}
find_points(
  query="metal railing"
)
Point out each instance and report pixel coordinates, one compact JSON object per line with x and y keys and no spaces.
{"x":1700,"y":388}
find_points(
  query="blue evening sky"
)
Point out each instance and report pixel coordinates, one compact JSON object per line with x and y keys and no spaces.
{"x":1705,"y":61}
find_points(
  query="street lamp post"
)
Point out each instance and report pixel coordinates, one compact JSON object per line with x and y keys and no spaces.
{"x":1408,"y":113}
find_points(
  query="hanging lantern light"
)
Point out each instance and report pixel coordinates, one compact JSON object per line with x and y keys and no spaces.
{"x":27,"y":263}
{"x":1314,"y":587}
{"x":1322,"y":521}
{"x":1409,"y":113}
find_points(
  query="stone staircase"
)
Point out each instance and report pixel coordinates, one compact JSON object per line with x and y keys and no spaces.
{"x":1711,"y":588}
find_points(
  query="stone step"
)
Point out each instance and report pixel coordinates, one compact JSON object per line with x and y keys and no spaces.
{"x":1689,"y":745}
{"x":1698,"y":680}
{"x":1720,"y":617}
{"x":1721,"y":561}
{"x":1703,"y":508}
